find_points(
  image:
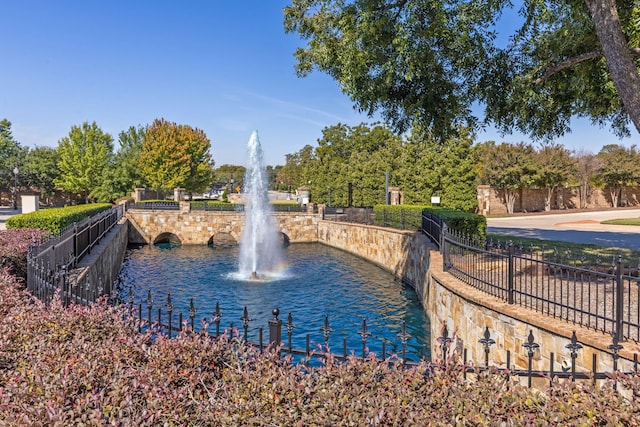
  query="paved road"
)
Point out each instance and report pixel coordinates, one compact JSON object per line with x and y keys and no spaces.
{"x":580,"y":227}
{"x":6,"y":212}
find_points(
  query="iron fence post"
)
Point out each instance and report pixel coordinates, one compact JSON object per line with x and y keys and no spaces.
{"x":444,"y":248}
{"x":192,"y":314}
{"x":245,"y":322}
{"x":510,"y":290}
{"x":619,"y":299}
{"x":275,"y":328}
{"x":531,"y":346}
{"x":170,"y":312}
{"x":573,"y":347}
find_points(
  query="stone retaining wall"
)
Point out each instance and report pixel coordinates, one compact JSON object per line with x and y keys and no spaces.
{"x":467,"y":311}
{"x":102,"y":265}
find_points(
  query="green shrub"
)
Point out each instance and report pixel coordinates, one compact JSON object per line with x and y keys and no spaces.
{"x":407,"y":217}
{"x":465,"y":223}
{"x":57,"y":219}
{"x":202,"y":203}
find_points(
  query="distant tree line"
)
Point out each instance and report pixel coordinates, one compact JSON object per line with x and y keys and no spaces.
{"x":161,"y":156}
{"x":423,"y":166}
{"x":349,"y":164}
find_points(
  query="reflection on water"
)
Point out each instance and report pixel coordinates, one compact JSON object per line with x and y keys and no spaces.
{"x":318,"y":281}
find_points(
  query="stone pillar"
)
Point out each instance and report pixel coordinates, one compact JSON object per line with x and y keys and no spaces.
{"x":30,"y":202}
{"x":310,"y":207}
{"x":185,"y":207}
{"x":395,"y":196}
{"x":138,"y":194}
{"x":304,"y":195}
{"x":484,"y":197}
{"x":178,"y":194}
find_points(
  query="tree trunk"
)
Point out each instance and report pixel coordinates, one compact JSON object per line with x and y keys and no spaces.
{"x":584,"y":194}
{"x":614,"y":193}
{"x":547,"y":199}
{"x":624,"y":73}
{"x":510,"y":197}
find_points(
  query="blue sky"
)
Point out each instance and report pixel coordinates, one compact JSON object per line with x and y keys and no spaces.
{"x":224,"y":67}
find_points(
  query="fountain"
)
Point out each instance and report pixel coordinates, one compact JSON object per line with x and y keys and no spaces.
{"x":261,"y":255}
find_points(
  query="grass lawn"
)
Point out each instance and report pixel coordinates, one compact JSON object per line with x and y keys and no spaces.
{"x":622,"y":221}
{"x":575,"y":253}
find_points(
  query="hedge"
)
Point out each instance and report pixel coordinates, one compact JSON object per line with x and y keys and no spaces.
{"x":408,"y":217}
{"x":466,"y":223}
{"x":56,"y":220}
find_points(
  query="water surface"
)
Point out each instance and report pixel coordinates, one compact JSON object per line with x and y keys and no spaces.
{"x":318,"y":281}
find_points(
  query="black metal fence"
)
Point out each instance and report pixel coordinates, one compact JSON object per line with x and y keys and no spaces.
{"x":209,"y":206}
{"x":600,"y":298}
{"x":155,"y":205}
{"x":164,"y":320}
{"x":279,"y":333}
{"x":344,"y":214}
{"x":49,"y":264}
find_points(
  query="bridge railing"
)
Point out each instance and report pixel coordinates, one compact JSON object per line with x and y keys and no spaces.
{"x":49,"y":263}
{"x":155,"y":205}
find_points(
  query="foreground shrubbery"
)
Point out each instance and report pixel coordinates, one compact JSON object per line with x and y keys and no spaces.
{"x":89,"y":366}
{"x":14,"y":245}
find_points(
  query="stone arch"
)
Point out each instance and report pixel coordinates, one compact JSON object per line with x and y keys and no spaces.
{"x":222,"y":239}
{"x":167,"y":237}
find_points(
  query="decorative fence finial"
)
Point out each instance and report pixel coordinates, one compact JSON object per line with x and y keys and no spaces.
{"x":487,"y":342}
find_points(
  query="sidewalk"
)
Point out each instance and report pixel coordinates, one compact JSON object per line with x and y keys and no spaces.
{"x":5,"y":213}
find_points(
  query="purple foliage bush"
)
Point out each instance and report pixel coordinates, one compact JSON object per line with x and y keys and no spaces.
{"x":89,"y":366}
{"x":14,"y":244}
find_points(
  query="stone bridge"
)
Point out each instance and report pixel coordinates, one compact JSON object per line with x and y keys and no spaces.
{"x":212,"y":227}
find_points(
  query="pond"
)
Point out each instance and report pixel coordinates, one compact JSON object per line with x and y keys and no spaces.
{"x":318,"y":281}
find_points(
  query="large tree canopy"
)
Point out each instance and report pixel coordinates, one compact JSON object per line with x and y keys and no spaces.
{"x":433,"y":61}
{"x":174,"y":155}
{"x":83,"y":157}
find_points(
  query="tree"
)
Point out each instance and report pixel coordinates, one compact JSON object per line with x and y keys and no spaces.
{"x":457,"y":168}
{"x":553,"y":166}
{"x":353,"y":158}
{"x":83,"y":157}
{"x":123,"y":174}
{"x":507,"y":168}
{"x":432,"y":62}
{"x":444,"y":168}
{"x":174,"y":155}
{"x":41,"y":170}
{"x":587,"y":165}
{"x":620,"y":167}
{"x":230,"y":176}
{"x":11,"y":154}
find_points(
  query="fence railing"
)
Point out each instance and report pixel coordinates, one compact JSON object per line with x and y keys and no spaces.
{"x":209,"y":206}
{"x":162,"y":317}
{"x":599,"y":298}
{"x":155,"y":205}
{"x":279,"y":333}
{"x":49,"y":264}
{"x":345,"y":214}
